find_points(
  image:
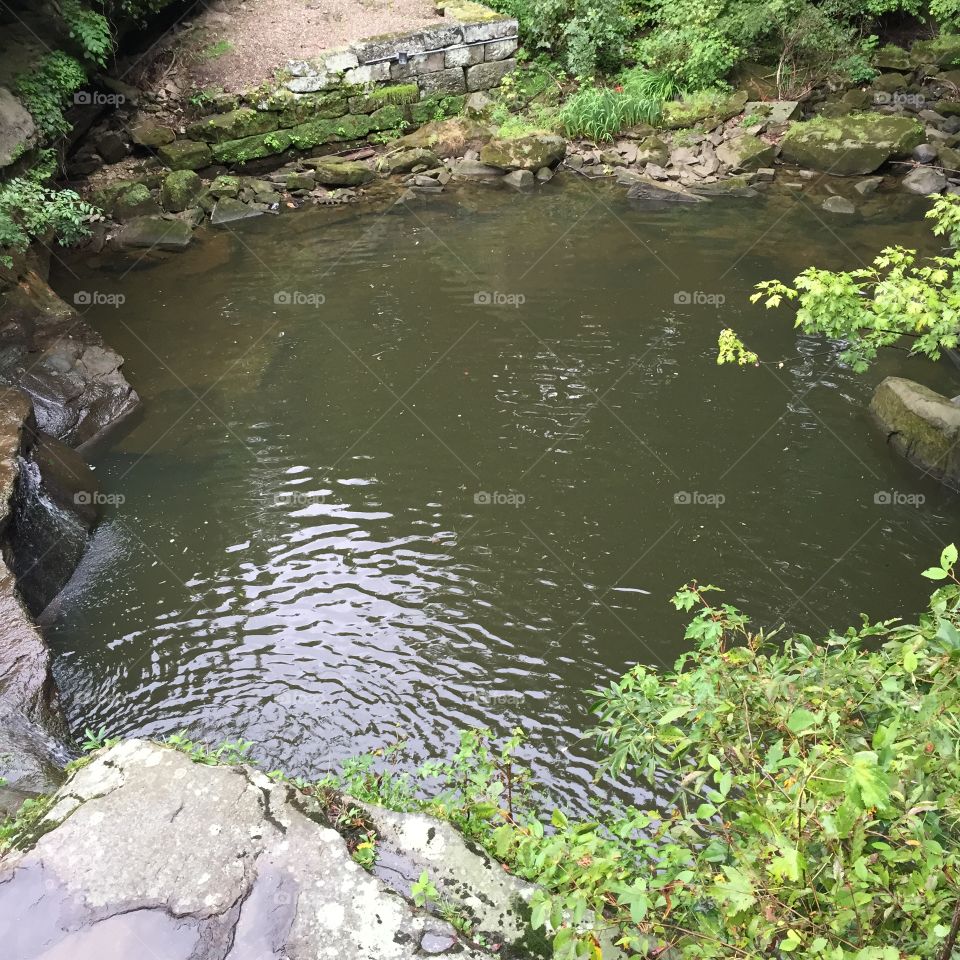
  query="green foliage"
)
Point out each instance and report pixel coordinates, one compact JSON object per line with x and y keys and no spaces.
{"x":31,"y":209}
{"x":96,"y":739}
{"x":89,"y":30}
{"x":46,"y":90}
{"x":599,"y":113}
{"x":214,"y":51}
{"x":809,"y":796}
{"x":946,"y":13}
{"x":875,"y":307}
{"x":229,"y":752}
{"x":16,"y":830}
{"x":732,"y":350}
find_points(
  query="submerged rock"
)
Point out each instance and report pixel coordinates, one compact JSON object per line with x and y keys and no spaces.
{"x":210,"y":861}
{"x":921,"y":425}
{"x":839,"y":205}
{"x":924,"y":180}
{"x":852,"y":145}
{"x":229,"y":209}
{"x":157,"y":233}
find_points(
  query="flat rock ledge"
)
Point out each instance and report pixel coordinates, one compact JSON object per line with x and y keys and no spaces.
{"x":921,"y":425}
{"x":145,"y":853}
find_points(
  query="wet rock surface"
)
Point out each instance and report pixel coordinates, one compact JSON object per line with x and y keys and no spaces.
{"x":48,"y":350}
{"x":144,"y":846}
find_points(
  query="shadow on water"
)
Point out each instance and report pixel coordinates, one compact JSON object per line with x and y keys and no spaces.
{"x":446,"y":466}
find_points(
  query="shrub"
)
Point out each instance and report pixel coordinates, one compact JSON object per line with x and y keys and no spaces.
{"x":809,"y":796}
{"x":46,"y":90}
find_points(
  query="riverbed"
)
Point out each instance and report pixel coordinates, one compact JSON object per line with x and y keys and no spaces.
{"x":408,"y":470}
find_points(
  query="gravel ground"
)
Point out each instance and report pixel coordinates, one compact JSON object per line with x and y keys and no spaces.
{"x":236,"y":44}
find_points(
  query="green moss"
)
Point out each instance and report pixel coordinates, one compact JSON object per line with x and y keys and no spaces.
{"x":317,"y":132}
{"x":316,"y":106}
{"x":437,"y":108}
{"x":234,"y":125}
{"x":252,"y":148}
{"x":468,"y":11}
{"x":398,"y":94}
{"x":389,"y":117}
{"x":185,"y":155}
{"x":708,"y":107}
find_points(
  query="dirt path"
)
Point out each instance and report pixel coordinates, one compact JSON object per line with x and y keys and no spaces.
{"x":235,"y":44}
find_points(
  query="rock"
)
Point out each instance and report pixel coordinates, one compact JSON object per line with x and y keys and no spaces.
{"x":662,"y":192}
{"x":656,"y":172}
{"x":868,"y":186}
{"x":921,"y":425}
{"x":406,"y":160}
{"x":18,"y":132}
{"x":225,"y":186}
{"x":886,"y":84}
{"x":185,"y":155}
{"x":180,"y":190}
{"x":134,"y":200}
{"x":294,"y":181}
{"x":765,"y":175}
{"x":838,"y":205}
{"x":151,"y":135}
{"x":943,"y":51}
{"x":229,"y":209}
{"x":950,"y":160}
{"x":144,"y":845}
{"x":447,"y":138}
{"x":850,"y":101}
{"x":653,"y":150}
{"x":485,"y":76}
{"x":156,"y":233}
{"x":521,"y":179}
{"x":743,"y":152}
{"x":704,"y":110}
{"x":54,"y":356}
{"x":776,"y":115}
{"x":475,"y":170}
{"x":891,"y":57}
{"x":478,"y":104}
{"x":524,"y":153}
{"x":924,"y":153}
{"x":852,"y":145}
{"x":340,"y":173}
{"x":234,"y":125}
{"x":544,"y":175}
{"x":112,"y":147}
{"x":924,"y":180}
{"x":947,"y":108}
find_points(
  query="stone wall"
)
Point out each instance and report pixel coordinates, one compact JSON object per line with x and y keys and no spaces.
{"x":379,"y":86}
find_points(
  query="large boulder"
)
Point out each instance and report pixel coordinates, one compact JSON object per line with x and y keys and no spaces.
{"x":852,"y":145}
{"x":157,"y":233}
{"x":524,"y":153}
{"x":340,"y":173}
{"x":404,"y":161}
{"x":447,"y":138}
{"x":922,"y":425}
{"x":943,"y":51}
{"x":185,"y":155}
{"x":707,"y":109}
{"x":180,"y":190}
{"x":744,"y":152}
{"x":144,"y":846}
{"x":18,"y":132}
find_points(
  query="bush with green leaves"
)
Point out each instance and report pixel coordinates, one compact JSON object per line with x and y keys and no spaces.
{"x":900,"y":295}
{"x":89,"y":30}
{"x":809,"y":796}
{"x":46,"y":90}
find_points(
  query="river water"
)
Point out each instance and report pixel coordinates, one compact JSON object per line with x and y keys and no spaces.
{"x":412,"y":471}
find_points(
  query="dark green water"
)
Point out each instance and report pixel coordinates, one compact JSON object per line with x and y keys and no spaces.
{"x":301,"y":557}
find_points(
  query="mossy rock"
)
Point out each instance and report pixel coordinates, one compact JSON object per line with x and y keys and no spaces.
{"x":314,"y":106}
{"x":135,"y":200}
{"x":437,"y":108}
{"x":235,"y":152}
{"x":151,"y":135}
{"x":889,"y":83}
{"x":390,"y":117}
{"x":744,"y":152}
{"x":920,"y":424}
{"x":225,"y":186}
{"x":447,"y":138}
{"x":524,"y":153}
{"x":853,"y":145}
{"x":891,"y":57}
{"x":947,"y":108}
{"x":235,"y":125}
{"x":706,"y":110}
{"x":944,"y":51}
{"x":185,"y":155}
{"x":340,"y":173}
{"x":851,"y":101}
{"x":399,"y":94}
{"x":653,"y":150}
{"x":314,"y":133}
{"x":180,"y":190}
{"x":405,"y":160}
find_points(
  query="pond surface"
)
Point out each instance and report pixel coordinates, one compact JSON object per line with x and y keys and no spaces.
{"x":446,"y":466}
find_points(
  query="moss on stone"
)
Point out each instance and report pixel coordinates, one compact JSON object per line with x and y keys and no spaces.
{"x":317,"y":132}
{"x":252,"y":148}
{"x":707,"y":109}
{"x":315,"y":106}
{"x":398,"y":94}
{"x":437,"y":108}
{"x":235,"y":125}
{"x":185,"y":155}
{"x":468,"y":11}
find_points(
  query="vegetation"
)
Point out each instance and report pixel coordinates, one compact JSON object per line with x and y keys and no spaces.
{"x":810,"y":796}
{"x":899,"y":296}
